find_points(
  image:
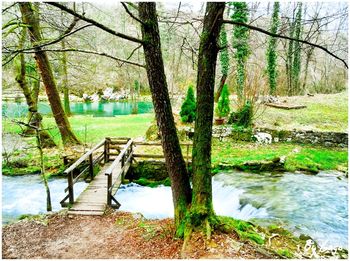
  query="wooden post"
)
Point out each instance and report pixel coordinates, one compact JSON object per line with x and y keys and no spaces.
{"x":106,"y":150}
{"x":65,"y":161}
{"x":123,"y":160}
{"x":109,"y":185}
{"x":70,"y":187}
{"x":91,"y":169}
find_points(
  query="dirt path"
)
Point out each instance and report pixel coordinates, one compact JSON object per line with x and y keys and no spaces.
{"x":116,"y":235}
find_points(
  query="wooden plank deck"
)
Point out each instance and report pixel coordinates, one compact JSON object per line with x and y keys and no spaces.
{"x":93,"y":200}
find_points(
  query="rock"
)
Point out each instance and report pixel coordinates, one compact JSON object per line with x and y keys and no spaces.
{"x":86,"y":97}
{"x":153,"y":134}
{"x":283,"y":159}
{"x":94,"y":97}
{"x":296,"y":150}
{"x":138,"y":216}
{"x":328,"y":144}
{"x":270,"y":99}
{"x":304,"y":237}
{"x":263,"y":138}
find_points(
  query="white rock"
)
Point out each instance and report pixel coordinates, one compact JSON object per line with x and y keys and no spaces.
{"x":94,"y":97}
{"x":263,"y":138}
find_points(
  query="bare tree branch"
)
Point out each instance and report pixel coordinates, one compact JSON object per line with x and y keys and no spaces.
{"x":47,"y":44}
{"x":133,"y":51}
{"x":131,"y":14}
{"x":93,"y":22}
{"x":121,"y":61}
{"x":7,"y":8}
{"x":286,"y":37}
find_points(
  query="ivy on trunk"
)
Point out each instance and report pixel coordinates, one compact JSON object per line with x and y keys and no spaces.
{"x":30,"y":18}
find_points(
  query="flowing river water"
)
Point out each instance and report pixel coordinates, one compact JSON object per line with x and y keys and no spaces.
{"x":316,"y":205}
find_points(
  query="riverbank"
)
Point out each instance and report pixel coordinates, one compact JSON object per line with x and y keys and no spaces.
{"x":125,"y":235}
{"x":226,"y":154}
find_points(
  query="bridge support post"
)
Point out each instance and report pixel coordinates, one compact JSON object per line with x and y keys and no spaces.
{"x":91,"y":168}
{"x":109,"y":185}
{"x":70,"y":187}
{"x":106,"y":150}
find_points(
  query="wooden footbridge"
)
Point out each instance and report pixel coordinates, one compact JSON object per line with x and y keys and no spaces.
{"x":115,"y":155}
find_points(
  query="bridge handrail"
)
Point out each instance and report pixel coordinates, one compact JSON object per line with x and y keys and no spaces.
{"x":119,"y":157}
{"x":84,"y":157}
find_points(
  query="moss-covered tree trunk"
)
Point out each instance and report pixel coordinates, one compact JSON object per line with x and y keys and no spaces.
{"x":29,"y":17}
{"x":224,"y":61}
{"x":175,"y":163}
{"x":31,"y":97}
{"x":202,"y":206}
{"x":271,"y":53}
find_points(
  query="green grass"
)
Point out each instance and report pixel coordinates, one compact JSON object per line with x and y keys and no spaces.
{"x":299,"y":157}
{"x":285,"y":252}
{"x":88,"y":129}
{"x":323,"y":113}
{"x":93,"y":129}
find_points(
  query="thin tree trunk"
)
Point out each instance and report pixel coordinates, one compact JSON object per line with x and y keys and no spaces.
{"x":202,"y":206}
{"x":221,"y":86}
{"x":31,"y":98}
{"x":308,"y":57}
{"x":42,"y":170}
{"x":65,"y":80}
{"x":28,"y":16}
{"x":175,"y":163}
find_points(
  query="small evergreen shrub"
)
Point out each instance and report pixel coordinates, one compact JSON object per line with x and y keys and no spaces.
{"x":223,"y":108}
{"x":243,"y":117}
{"x":188,"y":108}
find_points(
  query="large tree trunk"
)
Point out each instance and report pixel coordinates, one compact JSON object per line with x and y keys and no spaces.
{"x":175,"y":163}
{"x":28,"y":16}
{"x":202,"y":206}
{"x":31,"y":98}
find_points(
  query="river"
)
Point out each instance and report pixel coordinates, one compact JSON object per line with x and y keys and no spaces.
{"x":97,"y":109}
{"x":316,"y":205}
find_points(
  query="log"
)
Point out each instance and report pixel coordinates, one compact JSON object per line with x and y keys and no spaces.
{"x":285,"y":106}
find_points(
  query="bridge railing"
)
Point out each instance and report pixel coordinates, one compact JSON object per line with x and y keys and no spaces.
{"x":117,"y":171}
{"x":125,"y":150}
{"x":88,"y":156}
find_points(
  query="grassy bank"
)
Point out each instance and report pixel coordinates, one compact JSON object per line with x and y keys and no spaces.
{"x":324,"y":112}
{"x":298,"y":157}
{"x":90,"y":130}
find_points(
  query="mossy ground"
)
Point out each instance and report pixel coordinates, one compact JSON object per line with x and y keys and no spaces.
{"x":298,"y":157}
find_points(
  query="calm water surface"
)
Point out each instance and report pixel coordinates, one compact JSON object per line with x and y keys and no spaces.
{"x":97,"y":109}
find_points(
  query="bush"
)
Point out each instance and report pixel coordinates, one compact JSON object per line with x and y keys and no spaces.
{"x":243,"y":117}
{"x":188,"y":108}
{"x":223,"y":108}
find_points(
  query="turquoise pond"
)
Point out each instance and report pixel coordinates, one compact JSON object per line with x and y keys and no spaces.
{"x":97,"y":109}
